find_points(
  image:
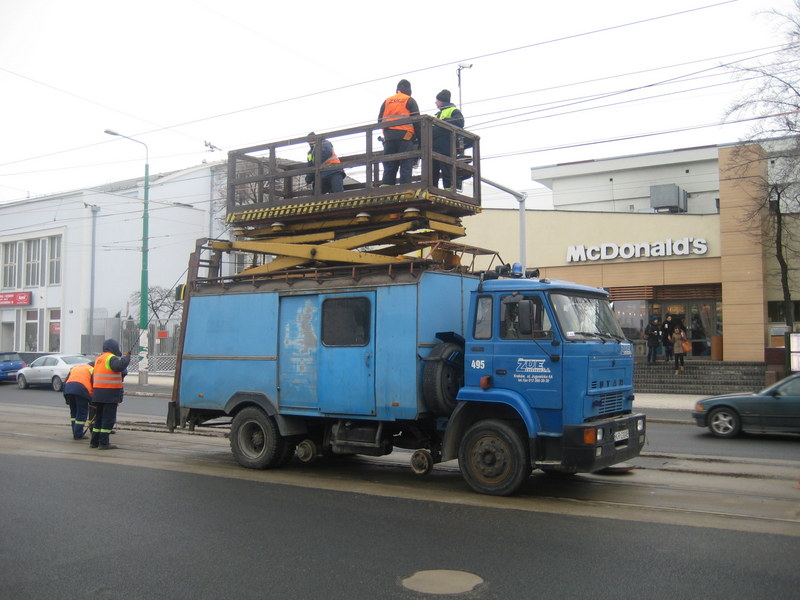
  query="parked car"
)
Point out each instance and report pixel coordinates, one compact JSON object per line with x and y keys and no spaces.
{"x":50,"y":370}
{"x":10,"y":363}
{"x":775,"y":409}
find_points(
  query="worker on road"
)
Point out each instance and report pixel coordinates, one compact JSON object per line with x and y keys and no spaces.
{"x":77,"y":395}
{"x":109,"y":369}
{"x":333,"y":180}
{"x":398,"y":138}
{"x":443,"y":138}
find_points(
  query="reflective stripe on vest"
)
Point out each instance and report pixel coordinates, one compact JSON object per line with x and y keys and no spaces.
{"x":81,"y":374}
{"x":104,"y":376}
{"x":395,"y":108}
{"x":331,"y":161}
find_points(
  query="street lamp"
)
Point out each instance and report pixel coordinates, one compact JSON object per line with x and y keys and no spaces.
{"x":461,"y":66}
{"x":144,"y":290}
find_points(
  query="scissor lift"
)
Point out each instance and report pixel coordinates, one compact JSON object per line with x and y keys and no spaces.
{"x":291,"y":225}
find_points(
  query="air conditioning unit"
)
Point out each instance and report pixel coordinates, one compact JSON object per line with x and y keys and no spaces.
{"x":668,"y":198}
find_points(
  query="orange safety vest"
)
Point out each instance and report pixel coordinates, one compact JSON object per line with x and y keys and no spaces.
{"x":81,"y":374}
{"x":395,"y":108}
{"x":104,"y":376}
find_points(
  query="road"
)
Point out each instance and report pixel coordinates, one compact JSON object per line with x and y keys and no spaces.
{"x":172,"y":516}
{"x":670,"y":431}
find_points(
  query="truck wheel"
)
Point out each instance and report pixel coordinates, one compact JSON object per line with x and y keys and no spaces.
{"x":255,"y":441}
{"x":494,"y":458}
{"x":443,"y":376}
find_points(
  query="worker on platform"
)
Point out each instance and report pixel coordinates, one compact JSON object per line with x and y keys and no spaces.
{"x":333,"y":180}
{"x":109,"y":371}
{"x":77,"y":395}
{"x":398,"y":138}
{"x":443,"y":138}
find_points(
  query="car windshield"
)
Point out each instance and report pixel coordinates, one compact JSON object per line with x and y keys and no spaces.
{"x":585,"y":317}
{"x":75,"y":360}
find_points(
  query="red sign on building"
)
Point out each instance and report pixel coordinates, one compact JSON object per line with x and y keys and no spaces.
{"x":15,"y":298}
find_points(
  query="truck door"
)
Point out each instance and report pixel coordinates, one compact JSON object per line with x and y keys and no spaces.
{"x":526,"y":360}
{"x":328,"y":353}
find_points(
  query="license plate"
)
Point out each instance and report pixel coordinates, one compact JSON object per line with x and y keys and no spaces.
{"x":621,"y":435}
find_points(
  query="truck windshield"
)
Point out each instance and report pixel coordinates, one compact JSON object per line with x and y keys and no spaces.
{"x":586,"y":317}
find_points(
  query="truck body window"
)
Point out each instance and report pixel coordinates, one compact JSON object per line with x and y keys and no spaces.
{"x":483,"y":318}
{"x":346,"y":322}
{"x":509,"y":320}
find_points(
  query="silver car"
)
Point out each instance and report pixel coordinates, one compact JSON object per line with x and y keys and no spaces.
{"x":50,"y":370}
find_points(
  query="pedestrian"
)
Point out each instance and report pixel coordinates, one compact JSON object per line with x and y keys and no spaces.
{"x":653,"y":334}
{"x":666,"y":338}
{"x":678,"y":339}
{"x":109,"y":370}
{"x":78,"y":395}
{"x":443,"y":138}
{"x":332,"y":180}
{"x":398,"y":138}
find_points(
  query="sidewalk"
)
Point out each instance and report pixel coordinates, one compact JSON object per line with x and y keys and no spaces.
{"x":161,"y":386}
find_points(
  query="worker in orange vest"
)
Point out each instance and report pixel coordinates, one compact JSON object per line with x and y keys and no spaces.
{"x":109,"y":370}
{"x":333,"y":179}
{"x":77,"y":395}
{"x":398,"y":138}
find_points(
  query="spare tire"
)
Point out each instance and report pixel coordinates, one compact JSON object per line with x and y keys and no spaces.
{"x":443,"y":376}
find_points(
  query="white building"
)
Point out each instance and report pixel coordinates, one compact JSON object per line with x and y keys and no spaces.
{"x":69,"y":257}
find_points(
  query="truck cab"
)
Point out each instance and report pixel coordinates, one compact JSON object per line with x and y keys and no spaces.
{"x":550,"y":359}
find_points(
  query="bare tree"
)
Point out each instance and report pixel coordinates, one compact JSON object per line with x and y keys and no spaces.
{"x":774,"y":105}
{"x":162,"y":305}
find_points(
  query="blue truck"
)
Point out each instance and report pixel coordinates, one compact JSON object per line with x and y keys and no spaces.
{"x":506,"y":374}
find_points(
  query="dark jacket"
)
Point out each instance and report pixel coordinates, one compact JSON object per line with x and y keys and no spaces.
{"x":116,"y":363}
{"x":653,"y":334}
{"x":325,"y":153}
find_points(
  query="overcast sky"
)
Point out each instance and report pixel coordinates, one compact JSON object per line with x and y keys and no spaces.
{"x":551,"y":82}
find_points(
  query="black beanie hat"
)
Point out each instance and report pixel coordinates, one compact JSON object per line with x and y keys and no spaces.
{"x":404,"y":86}
{"x":443,"y":96}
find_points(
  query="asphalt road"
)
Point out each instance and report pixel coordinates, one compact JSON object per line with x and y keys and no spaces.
{"x":107,"y":530}
{"x":669,"y":430}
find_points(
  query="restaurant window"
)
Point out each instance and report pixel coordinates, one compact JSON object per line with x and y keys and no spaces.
{"x":31,"y":330}
{"x":54,"y":331}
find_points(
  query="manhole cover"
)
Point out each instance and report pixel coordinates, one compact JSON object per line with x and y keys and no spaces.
{"x":442,"y":581}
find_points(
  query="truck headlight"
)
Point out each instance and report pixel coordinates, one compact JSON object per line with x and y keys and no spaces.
{"x":639,"y":425}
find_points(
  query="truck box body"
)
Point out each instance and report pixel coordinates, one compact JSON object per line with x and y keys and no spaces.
{"x":278,"y":341}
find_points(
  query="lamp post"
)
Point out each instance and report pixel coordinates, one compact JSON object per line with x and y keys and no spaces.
{"x":144,"y":289}
{"x":461,"y":66}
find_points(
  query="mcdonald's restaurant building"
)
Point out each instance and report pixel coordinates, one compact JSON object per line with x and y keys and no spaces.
{"x":667,"y":233}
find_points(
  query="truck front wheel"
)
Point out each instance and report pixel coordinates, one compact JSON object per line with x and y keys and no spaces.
{"x":255,"y":441}
{"x":494,"y":458}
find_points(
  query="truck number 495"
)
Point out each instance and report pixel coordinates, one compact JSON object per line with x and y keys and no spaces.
{"x":478,"y":364}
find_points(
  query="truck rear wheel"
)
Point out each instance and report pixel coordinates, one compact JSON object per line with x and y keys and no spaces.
{"x":443,"y":376}
{"x":255,"y":441}
{"x":494,"y":458}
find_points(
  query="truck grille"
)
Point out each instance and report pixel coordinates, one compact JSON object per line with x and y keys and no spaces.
{"x":609,"y":403}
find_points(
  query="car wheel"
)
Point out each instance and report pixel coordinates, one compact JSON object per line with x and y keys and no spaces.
{"x":58,"y":385}
{"x":22,"y":383}
{"x":724,"y":422}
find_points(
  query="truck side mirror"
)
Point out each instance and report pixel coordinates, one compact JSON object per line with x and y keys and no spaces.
{"x":525,"y":308}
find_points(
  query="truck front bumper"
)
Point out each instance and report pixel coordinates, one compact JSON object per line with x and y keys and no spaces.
{"x":593,"y":446}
